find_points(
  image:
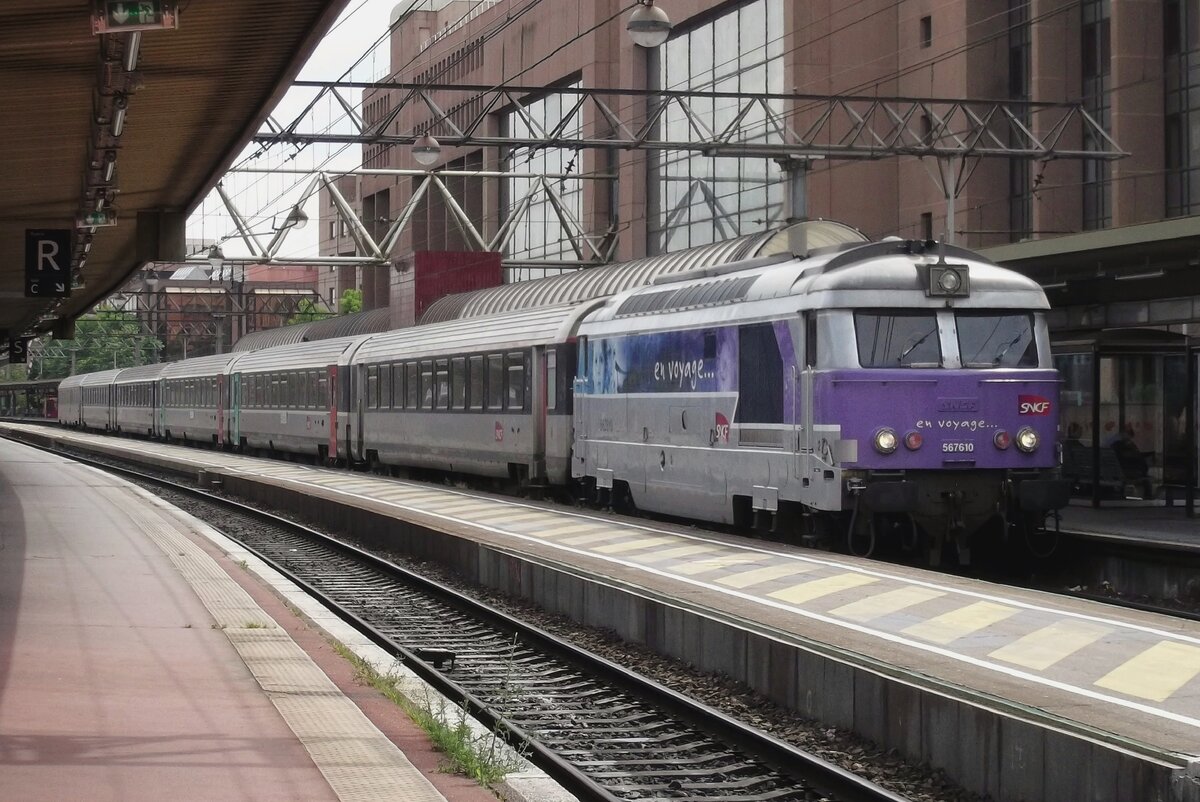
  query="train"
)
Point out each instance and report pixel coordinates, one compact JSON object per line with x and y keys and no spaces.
{"x":893,"y":393}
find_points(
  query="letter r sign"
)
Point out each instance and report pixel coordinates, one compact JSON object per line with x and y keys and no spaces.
{"x":47,"y":263}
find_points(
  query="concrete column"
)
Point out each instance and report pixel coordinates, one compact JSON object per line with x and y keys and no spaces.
{"x":1055,"y":75}
{"x":1138,"y":191}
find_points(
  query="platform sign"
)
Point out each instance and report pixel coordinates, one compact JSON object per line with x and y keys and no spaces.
{"x":47,"y":262}
{"x":117,"y":16}
{"x":18,"y":350}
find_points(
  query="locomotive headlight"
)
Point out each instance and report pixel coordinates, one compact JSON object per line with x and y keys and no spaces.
{"x":913,"y":441}
{"x":885,"y":441}
{"x":1027,"y":440}
{"x":1002,"y":439}
{"x":948,"y":281}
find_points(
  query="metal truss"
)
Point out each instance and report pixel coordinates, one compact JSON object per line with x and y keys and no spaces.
{"x":540,"y":193}
{"x":769,"y":125}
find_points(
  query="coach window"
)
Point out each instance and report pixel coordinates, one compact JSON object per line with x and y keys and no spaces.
{"x":323,"y":383}
{"x":427,"y":384}
{"x":458,"y":383}
{"x":372,"y":387}
{"x":516,"y":381}
{"x":760,"y":375}
{"x":385,"y":386}
{"x":412,"y":385}
{"x":398,"y":385}
{"x":552,"y":378}
{"x":443,"y":384}
{"x":475,"y":369}
{"x":495,"y":381}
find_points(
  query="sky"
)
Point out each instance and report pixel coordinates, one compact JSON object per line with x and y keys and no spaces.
{"x":266,"y":198}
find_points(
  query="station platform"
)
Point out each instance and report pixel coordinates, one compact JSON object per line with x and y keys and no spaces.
{"x":1150,"y":522}
{"x":999,"y":686}
{"x":139,"y":662}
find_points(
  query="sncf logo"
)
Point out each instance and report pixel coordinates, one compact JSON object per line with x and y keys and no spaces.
{"x":721,"y":430}
{"x":1033,"y":405}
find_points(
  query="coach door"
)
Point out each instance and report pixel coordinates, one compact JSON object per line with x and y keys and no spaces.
{"x":235,"y":410}
{"x":220,"y":409}
{"x":332,"y":454}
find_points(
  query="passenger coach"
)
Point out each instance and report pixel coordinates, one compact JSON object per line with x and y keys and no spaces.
{"x":489,"y":396}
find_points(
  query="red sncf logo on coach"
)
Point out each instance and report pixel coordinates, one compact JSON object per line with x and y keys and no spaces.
{"x":1033,"y":405}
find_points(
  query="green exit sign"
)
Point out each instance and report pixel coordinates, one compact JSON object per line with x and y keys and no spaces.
{"x":117,"y":16}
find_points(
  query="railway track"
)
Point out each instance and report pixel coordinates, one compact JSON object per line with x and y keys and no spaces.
{"x":602,"y":731}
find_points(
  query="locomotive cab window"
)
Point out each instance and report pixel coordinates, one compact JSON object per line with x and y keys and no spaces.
{"x":890,"y":339}
{"x":996,"y":340}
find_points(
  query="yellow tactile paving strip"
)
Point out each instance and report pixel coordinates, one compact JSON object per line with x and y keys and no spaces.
{"x":1094,"y":655}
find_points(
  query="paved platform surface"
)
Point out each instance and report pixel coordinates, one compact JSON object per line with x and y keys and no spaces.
{"x":1154,"y":522}
{"x":133,"y":667}
{"x":1127,"y":678}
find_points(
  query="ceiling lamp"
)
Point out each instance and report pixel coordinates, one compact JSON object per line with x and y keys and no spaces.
{"x":649,"y":25}
{"x":426,"y":150}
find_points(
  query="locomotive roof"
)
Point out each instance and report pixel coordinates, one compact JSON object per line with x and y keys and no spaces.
{"x":602,"y":282}
{"x":879,"y":274}
{"x":512,"y":330}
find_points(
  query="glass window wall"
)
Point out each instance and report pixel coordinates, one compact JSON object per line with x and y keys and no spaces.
{"x":696,"y":201}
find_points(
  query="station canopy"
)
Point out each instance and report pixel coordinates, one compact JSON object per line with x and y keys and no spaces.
{"x":195,"y":95}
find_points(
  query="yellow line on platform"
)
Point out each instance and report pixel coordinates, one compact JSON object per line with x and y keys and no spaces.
{"x":807,"y":591}
{"x":1045,"y":647}
{"x":1155,"y":673}
{"x":961,"y":622}
{"x":567,"y":529}
{"x":675,"y":553}
{"x":758,"y":575}
{"x":714,"y":563}
{"x":882,"y":604}
{"x":634,"y":545}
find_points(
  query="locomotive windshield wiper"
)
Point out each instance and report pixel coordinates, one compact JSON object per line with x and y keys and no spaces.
{"x":1005,"y":348}
{"x":910,"y":348}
